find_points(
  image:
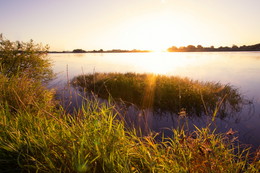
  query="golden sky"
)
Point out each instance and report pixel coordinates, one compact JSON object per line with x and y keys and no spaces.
{"x":131,"y":24}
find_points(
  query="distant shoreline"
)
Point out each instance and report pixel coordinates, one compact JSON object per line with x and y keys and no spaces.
{"x":53,"y":52}
{"x":97,"y":52}
{"x":189,"y":48}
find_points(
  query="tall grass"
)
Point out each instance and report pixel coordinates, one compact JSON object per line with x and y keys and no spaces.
{"x":45,"y":139}
{"x":100,"y":143}
{"x":165,"y":93}
{"x":37,"y":135}
{"x":21,"y":93}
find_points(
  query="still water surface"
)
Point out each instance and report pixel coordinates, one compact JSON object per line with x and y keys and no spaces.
{"x":239,"y":69}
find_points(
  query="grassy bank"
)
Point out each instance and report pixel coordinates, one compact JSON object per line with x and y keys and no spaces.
{"x":37,"y":135}
{"x":93,"y":140}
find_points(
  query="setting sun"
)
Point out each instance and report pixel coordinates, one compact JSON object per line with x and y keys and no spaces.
{"x":154,"y":31}
{"x":147,"y":25}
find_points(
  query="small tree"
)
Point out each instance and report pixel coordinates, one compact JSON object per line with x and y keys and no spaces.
{"x":25,"y":58}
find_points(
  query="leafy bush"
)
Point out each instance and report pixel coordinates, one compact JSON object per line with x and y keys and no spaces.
{"x":23,"y":68}
{"x":18,"y":58}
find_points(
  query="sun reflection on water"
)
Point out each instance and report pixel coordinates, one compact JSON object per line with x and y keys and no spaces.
{"x":161,"y":63}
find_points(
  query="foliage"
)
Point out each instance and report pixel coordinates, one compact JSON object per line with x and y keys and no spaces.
{"x":94,"y":140}
{"x":79,"y":51}
{"x":164,"y":93}
{"x":199,"y":48}
{"x":23,"y":94}
{"x":36,"y":137}
{"x":18,"y":58}
{"x":23,"y":68}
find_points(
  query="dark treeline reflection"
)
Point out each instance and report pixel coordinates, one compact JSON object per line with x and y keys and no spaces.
{"x":162,"y":94}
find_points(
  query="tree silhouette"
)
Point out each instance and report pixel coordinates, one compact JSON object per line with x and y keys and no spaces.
{"x":199,"y":48}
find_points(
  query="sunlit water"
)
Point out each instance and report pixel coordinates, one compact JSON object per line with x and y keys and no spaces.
{"x":240,"y":69}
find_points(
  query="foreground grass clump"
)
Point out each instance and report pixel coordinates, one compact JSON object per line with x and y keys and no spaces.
{"x":95,"y":141}
{"x":26,"y":95}
{"x":36,"y":136}
{"x":164,"y":93}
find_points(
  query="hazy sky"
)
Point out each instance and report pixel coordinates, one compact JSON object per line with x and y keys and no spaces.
{"x":129,"y":24}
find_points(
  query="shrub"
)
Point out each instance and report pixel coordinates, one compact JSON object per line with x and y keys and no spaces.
{"x":18,"y":58}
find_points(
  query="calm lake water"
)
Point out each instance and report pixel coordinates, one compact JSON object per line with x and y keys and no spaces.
{"x":239,"y":69}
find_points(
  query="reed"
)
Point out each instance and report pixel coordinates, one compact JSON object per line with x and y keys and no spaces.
{"x":37,"y":135}
{"x":93,"y":139}
{"x":164,"y":93}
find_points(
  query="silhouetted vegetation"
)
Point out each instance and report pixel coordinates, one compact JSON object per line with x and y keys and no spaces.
{"x":102,"y":51}
{"x":79,"y":51}
{"x":163,"y":93}
{"x":118,"y":51}
{"x":189,"y":48}
{"x":127,"y":51}
{"x":199,"y":48}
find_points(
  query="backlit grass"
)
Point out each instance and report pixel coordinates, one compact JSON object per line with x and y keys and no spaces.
{"x":95,"y":141}
{"x":164,"y":93}
{"x":37,"y":135}
{"x":46,"y":139}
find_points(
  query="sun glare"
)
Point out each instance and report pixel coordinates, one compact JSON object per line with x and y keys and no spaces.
{"x":158,"y":49}
{"x":164,"y":63}
{"x":155,"y":32}
{"x":155,"y":65}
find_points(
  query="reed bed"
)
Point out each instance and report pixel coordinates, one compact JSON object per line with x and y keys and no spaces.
{"x":165,"y":93}
{"x":37,"y":135}
{"x":44,"y":138}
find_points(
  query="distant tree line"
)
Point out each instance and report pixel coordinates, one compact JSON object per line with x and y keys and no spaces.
{"x":130,"y":51}
{"x":106,"y":51}
{"x":79,"y":51}
{"x":199,"y":48}
{"x":189,"y":48}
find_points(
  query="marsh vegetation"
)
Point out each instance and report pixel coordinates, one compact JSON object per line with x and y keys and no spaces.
{"x":164,"y":93}
{"x":37,"y":135}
